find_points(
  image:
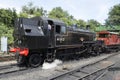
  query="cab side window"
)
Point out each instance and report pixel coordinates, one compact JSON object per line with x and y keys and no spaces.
{"x":60,"y":29}
{"x":63,"y":30}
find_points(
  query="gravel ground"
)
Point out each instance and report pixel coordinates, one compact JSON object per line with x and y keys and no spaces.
{"x":113,"y":73}
{"x":7,"y":63}
{"x":4,"y":57}
{"x":43,"y":74}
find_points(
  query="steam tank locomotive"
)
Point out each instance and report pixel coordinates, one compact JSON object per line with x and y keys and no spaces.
{"x":40,"y":39}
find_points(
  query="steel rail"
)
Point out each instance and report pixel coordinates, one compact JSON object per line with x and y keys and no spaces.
{"x":78,"y":69}
{"x":97,"y":77}
{"x":11,"y":69}
{"x":7,"y":66}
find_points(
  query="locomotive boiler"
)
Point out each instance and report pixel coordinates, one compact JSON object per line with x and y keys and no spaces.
{"x":40,"y":39}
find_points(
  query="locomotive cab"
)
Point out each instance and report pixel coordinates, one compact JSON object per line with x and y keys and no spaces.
{"x":53,"y":28}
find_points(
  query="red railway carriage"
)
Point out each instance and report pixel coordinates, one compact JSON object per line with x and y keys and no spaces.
{"x":111,"y":39}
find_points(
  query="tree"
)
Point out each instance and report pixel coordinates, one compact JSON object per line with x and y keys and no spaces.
{"x":81,"y":23}
{"x":93,"y":24}
{"x":114,"y":16}
{"x":59,"y":13}
{"x":30,"y":11}
{"x":7,"y":16}
{"x":6,"y":31}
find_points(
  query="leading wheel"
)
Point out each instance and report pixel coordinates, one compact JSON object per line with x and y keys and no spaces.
{"x":35,"y":60}
{"x":21,"y":61}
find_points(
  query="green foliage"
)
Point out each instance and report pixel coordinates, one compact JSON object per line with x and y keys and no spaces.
{"x":30,"y":11}
{"x":6,"y":31}
{"x":93,"y":24}
{"x":81,"y":23}
{"x":59,"y":13}
{"x":114,"y":16}
{"x":7,"y":16}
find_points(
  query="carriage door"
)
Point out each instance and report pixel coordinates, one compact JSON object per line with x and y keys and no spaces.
{"x":60,"y":32}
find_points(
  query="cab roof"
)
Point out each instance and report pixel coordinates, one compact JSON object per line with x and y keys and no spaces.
{"x":107,"y":32}
{"x":47,"y":19}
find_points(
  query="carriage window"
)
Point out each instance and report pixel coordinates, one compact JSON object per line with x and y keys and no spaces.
{"x":103,"y":35}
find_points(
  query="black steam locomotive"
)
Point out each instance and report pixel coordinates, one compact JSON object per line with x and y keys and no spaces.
{"x":42,"y":39}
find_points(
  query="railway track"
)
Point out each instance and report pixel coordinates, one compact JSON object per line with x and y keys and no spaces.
{"x":81,"y":73}
{"x":11,"y":69}
{"x":92,"y":71}
{"x":7,"y":58}
{"x":7,"y":66}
